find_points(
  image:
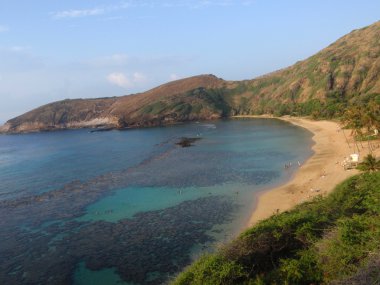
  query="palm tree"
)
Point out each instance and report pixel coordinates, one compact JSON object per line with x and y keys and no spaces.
{"x":371,"y":120}
{"x":369,"y":163}
{"x":363,"y":119}
{"x":353,"y":119}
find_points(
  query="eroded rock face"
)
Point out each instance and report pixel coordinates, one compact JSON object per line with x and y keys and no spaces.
{"x":29,"y":127}
{"x":103,"y":122}
{"x":5,"y":128}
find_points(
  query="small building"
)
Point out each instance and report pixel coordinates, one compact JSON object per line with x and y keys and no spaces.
{"x":351,"y":162}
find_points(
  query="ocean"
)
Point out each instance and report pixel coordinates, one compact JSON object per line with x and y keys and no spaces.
{"x":133,"y":207}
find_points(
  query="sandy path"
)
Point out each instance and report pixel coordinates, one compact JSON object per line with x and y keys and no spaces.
{"x":319,"y":175}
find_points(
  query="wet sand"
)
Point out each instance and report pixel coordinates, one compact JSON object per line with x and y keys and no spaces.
{"x":317,"y":176}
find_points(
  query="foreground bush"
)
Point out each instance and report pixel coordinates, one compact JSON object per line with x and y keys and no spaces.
{"x":328,"y":240}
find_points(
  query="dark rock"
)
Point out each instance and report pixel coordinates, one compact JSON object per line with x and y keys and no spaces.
{"x":187,"y":142}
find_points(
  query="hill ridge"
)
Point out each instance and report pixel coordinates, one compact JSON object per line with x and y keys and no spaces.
{"x":323,"y":85}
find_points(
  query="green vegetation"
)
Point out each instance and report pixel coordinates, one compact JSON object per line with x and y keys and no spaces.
{"x":369,"y":163}
{"x":334,"y":106}
{"x":215,"y":99}
{"x":363,"y":119}
{"x":329,"y":240}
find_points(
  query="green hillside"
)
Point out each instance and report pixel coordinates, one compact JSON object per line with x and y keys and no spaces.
{"x":332,"y":240}
{"x":347,"y":72}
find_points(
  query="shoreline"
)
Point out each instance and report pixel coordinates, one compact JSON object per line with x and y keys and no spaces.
{"x":319,"y":175}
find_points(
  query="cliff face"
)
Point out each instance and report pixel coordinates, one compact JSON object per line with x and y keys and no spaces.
{"x":63,"y":114}
{"x":345,"y":72}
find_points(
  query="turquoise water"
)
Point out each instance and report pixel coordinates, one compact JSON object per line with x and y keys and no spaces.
{"x":132,"y":207}
{"x":100,"y":277}
{"x":124,"y":203}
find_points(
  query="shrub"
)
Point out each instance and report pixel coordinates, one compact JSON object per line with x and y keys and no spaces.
{"x":370,"y":163}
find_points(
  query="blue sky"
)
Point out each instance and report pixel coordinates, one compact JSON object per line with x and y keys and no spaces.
{"x":52,"y":50}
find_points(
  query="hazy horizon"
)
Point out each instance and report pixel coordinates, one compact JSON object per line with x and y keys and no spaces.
{"x":51,"y":51}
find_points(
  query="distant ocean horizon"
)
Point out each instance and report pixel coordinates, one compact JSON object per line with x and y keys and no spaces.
{"x":133,"y":207}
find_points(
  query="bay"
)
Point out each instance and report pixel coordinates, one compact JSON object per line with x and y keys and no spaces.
{"x":133,"y":207}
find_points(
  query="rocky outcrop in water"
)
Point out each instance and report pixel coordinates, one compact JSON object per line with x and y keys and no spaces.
{"x":187,"y":142}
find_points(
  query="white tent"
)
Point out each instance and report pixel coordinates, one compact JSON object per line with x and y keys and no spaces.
{"x":354,"y":157}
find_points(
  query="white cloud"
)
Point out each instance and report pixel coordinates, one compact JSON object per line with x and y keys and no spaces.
{"x":112,"y":18}
{"x":19,"y":48}
{"x":19,"y":58}
{"x":78,"y":13}
{"x":174,"y":76}
{"x":96,"y":11}
{"x":197,"y":4}
{"x":119,"y":79}
{"x":122,"y":80}
{"x":189,"y":4}
{"x":117,"y":59}
{"x":123,"y":61}
{"x":138,"y":77}
{"x":248,"y":2}
{"x":3,"y":29}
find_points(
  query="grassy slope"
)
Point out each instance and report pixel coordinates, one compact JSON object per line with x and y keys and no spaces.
{"x":329,"y":240}
{"x":346,"y":72}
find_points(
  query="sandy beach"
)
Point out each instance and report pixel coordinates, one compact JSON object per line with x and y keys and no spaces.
{"x":317,"y":176}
